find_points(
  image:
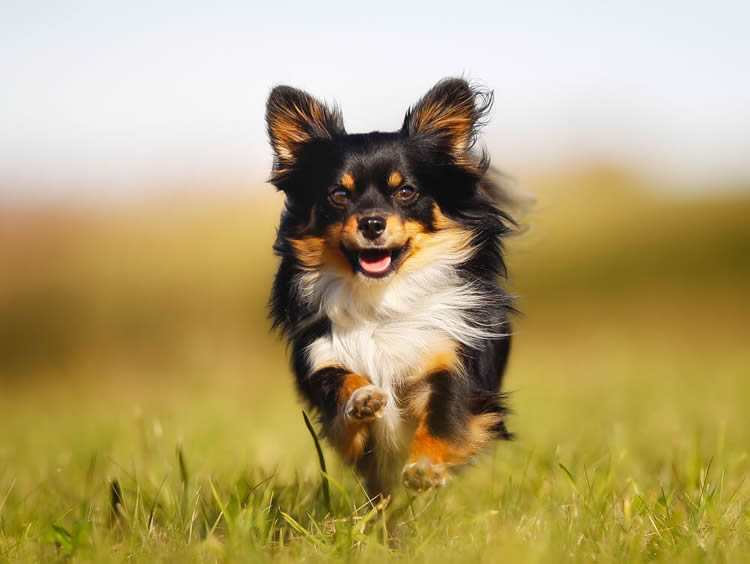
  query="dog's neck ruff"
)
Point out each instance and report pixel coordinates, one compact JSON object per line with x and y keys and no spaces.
{"x":434,"y":299}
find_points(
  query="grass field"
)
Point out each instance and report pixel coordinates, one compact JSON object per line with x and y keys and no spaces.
{"x":148,"y":415}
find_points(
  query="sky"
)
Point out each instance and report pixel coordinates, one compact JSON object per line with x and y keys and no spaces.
{"x":100,"y":97}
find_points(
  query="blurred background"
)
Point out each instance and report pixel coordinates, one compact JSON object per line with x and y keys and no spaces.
{"x":136,"y":225}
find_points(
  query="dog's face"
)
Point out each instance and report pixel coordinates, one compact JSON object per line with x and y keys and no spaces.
{"x":374,"y":205}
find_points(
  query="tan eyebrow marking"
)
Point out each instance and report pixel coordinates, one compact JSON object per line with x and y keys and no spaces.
{"x":395,"y":179}
{"x":347,"y":181}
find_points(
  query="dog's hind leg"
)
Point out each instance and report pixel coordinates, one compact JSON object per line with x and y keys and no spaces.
{"x":448,"y":434}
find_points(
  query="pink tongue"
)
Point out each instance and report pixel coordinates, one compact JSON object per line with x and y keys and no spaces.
{"x":375,"y":266}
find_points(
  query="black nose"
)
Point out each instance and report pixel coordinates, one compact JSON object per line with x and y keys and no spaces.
{"x":372,"y":227}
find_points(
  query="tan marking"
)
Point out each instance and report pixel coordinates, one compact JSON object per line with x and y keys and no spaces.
{"x":450,"y":241}
{"x":416,"y":394}
{"x":316,"y":252}
{"x":395,"y":234}
{"x":288,"y":127}
{"x":346,"y":435}
{"x":349,"y":439}
{"x":436,"y":449}
{"x":478,"y":433}
{"x":416,"y":388}
{"x":415,"y":397}
{"x":309,"y":251}
{"x":456,"y":121}
{"x":349,"y":235}
{"x":351,"y":383}
{"x":347,"y":181}
{"x":441,"y":220}
{"x":445,"y":359}
{"x":395,"y":179}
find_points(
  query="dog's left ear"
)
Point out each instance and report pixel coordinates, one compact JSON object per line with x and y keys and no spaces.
{"x":293,"y":118}
{"x":449,"y":116}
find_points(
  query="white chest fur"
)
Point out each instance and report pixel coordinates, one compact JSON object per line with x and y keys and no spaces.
{"x":387,"y":331}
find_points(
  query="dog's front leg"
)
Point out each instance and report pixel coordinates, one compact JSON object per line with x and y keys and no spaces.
{"x":347,"y":402}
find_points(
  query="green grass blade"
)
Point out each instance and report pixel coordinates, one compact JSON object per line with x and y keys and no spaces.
{"x":300,"y":529}
{"x":321,"y":461}
{"x":570,"y":478}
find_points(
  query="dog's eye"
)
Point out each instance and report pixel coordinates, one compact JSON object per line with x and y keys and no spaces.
{"x":340,"y":196}
{"x":405,"y":193}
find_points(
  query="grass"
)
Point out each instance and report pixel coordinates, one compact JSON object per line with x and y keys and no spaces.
{"x":147,"y":415}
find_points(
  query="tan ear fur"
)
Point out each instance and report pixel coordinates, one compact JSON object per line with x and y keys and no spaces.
{"x":450,"y":115}
{"x":293,"y":118}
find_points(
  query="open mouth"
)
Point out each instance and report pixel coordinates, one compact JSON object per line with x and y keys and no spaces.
{"x":375,"y":263}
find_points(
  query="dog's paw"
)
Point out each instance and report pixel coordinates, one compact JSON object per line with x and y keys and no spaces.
{"x":423,"y":475}
{"x":366,"y":403}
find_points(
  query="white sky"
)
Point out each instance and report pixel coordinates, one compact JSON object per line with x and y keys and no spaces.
{"x":104,"y":94}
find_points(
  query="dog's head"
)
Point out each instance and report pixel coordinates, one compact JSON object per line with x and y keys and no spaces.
{"x":374,"y":205}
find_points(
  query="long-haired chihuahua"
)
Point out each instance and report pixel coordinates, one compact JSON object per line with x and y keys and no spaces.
{"x":389,"y":285}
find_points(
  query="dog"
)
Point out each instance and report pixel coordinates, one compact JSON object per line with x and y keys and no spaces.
{"x":388,"y":289}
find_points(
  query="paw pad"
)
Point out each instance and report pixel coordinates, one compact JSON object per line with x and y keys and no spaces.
{"x":423,"y":475}
{"x":366,"y":403}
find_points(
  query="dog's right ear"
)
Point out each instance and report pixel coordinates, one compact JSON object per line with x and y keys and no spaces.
{"x":293,"y":118}
{"x":448,"y":118}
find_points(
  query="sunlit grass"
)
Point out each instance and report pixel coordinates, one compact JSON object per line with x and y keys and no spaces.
{"x":610,"y":465}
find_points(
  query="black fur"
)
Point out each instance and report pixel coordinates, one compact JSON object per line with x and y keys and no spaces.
{"x":438,"y":159}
